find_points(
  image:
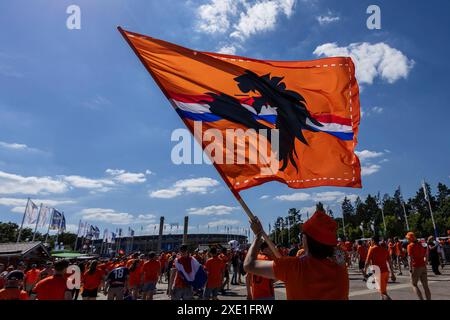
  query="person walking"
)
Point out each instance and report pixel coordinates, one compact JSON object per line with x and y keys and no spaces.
{"x":433,"y":255}
{"x":378,"y":258}
{"x":417,"y":256}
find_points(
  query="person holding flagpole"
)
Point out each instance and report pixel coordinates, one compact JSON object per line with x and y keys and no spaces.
{"x":317,"y":275}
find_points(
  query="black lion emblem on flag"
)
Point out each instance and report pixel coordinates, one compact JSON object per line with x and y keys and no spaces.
{"x":290,"y":107}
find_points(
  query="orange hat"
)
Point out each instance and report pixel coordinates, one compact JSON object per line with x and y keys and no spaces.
{"x":410,"y":236}
{"x":321,"y":228}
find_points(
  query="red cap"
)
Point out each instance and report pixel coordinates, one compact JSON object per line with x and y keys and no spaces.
{"x":322,"y":228}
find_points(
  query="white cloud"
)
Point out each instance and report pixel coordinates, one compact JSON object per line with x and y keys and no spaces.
{"x":377,"y":110}
{"x":125,"y":177}
{"x":13,"y":146}
{"x":228,"y":49}
{"x":261,"y":16}
{"x":215,"y":210}
{"x":328,"y":18}
{"x":107,"y":216}
{"x":222,"y":222}
{"x":145,"y":218}
{"x":18,"y":205}
{"x":309,"y":210}
{"x":117,"y":218}
{"x":299,"y":196}
{"x":241,"y":18}
{"x":371,"y":60}
{"x":328,"y":196}
{"x":17,"y":184}
{"x":371,"y":111}
{"x":165,"y":193}
{"x":264,"y":197}
{"x":96,"y":103}
{"x":102,"y":185}
{"x":215,"y":16}
{"x":187,"y":186}
{"x":367,"y":154}
{"x":370,"y":169}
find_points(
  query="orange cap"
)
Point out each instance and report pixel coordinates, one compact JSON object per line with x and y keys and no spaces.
{"x":321,"y":228}
{"x":411,"y":236}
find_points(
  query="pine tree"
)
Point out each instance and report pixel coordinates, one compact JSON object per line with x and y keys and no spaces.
{"x":319,"y":207}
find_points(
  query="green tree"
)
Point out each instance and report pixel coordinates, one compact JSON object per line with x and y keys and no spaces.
{"x":319,"y":207}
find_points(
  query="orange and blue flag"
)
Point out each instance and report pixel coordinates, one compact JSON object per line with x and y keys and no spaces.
{"x":314,"y":105}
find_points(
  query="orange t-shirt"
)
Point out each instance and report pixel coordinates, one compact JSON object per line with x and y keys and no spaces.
{"x":308,"y":278}
{"x":32,"y":276}
{"x":151,"y":271}
{"x":93,"y":281}
{"x":378,"y":256}
{"x":135,"y":276}
{"x":362,"y":251}
{"x":162,"y":261}
{"x":399,"y":249}
{"x":261,"y":288}
{"x":417,"y":254}
{"x":348,"y":246}
{"x":51,"y":288}
{"x":214,"y":267}
{"x":13,"y":294}
{"x":391,"y":248}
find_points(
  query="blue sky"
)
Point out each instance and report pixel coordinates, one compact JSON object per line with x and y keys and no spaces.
{"x":84,"y":128}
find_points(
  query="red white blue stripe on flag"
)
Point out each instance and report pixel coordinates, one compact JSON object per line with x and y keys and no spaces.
{"x":195,"y":108}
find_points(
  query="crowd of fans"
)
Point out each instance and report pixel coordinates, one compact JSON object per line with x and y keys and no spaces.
{"x":317,"y":268}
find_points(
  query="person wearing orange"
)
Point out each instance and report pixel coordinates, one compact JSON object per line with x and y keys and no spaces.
{"x":259,"y":288}
{"x":361,"y":250}
{"x":399,"y":254}
{"x":178,"y":287}
{"x":348,"y":250}
{"x":378,"y":256}
{"x":318,"y":275}
{"x":47,"y":271}
{"x":135,"y":277}
{"x":215,"y":268}
{"x":226,"y":275}
{"x":151,"y":270}
{"x":54,"y":287}
{"x":13,"y":284}
{"x":418,"y":266}
{"x":31,"y":278}
{"x":163,"y":265}
{"x":92,"y":280}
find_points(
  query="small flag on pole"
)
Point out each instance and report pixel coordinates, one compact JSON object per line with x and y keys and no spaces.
{"x":31,"y":212}
{"x":425,"y":192}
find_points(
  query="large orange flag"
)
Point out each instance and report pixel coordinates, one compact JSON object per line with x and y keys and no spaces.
{"x":314,"y":105}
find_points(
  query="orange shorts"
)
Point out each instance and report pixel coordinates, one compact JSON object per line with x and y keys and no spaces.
{"x":384,"y":278}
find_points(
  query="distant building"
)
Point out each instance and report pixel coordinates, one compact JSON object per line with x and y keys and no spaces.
{"x":169,"y":242}
{"x":28,"y":252}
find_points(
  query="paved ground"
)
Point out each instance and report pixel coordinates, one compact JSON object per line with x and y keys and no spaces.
{"x":400,"y":290}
